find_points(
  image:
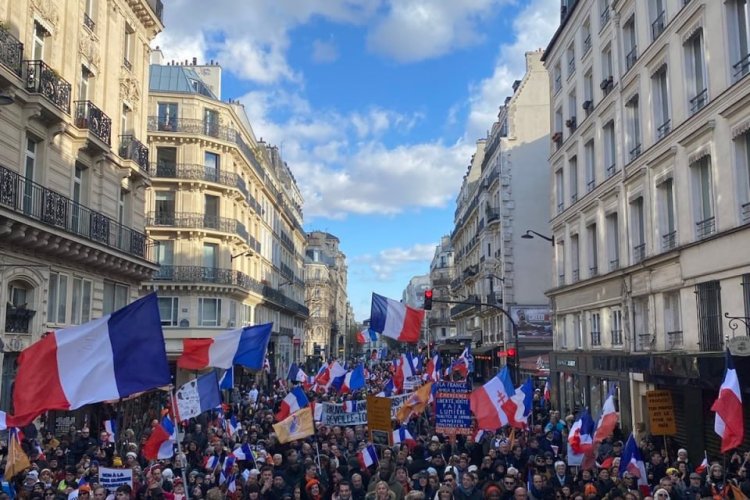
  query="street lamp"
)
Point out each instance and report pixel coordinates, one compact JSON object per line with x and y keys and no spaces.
{"x":249,"y":253}
{"x":530,"y":236}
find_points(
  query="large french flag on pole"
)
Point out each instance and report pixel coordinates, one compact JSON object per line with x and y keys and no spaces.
{"x":106,"y":359}
{"x":632,"y":462}
{"x":608,"y":419}
{"x":728,"y":422}
{"x":354,"y":380}
{"x":581,"y":436}
{"x":493,"y":404}
{"x":244,"y":346}
{"x":198,"y":396}
{"x":395,"y":320}
{"x":295,"y":400}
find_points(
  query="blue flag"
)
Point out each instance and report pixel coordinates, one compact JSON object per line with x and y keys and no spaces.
{"x":227,"y":380}
{"x":198,"y":395}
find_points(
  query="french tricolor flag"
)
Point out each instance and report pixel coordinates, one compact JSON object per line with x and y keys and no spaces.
{"x":608,"y":419}
{"x":244,"y":452}
{"x":110,"y":427}
{"x":124,"y":354}
{"x":354,"y":380}
{"x":232,"y":426}
{"x":729,"y":421}
{"x":295,"y":400}
{"x":387,"y":389}
{"x":244,"y":346}
{"x":494,"y":405}
{"x":349,"y":406}
{"x":632,"y":462}
{"x":336,"y":374}
{"x":402,"y":435}
{"x":547,"y":394}
{"x":580,"y":438}
{"x":703,"y":467}
{"x":395,"y":320}
{"x":406,"y":368}
{"x":367,"y":457}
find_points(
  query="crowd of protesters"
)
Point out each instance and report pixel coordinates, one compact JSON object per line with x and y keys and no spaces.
{"x":505,"y":465}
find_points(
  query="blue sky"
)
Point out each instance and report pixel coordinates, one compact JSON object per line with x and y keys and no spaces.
{"x":376,"y":105}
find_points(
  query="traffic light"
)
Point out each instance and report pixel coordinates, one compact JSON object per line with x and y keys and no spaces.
{"x":428,"y":300}
{"x":511,"y":359}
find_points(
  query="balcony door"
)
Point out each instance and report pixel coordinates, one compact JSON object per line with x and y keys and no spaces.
{"x":167,"y":116}
{"x":166,"y":162}
{"x":30,"y":173}
{"x":165,"y":215}
{"x":210,"y":261}
{"x":211,"y":166}
{"x":211,"y":212}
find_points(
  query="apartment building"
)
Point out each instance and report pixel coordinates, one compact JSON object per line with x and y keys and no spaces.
{"x":225,"y":215}
{"x":73,"y":169}
{"x":331,"y":328}
{"x":650,"y":203}
{"x":441,"y":328}
{"x":501,"y":199}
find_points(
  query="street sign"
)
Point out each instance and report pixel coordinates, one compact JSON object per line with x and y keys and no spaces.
{"x":379,"y":419}
{"x":661,"y":413}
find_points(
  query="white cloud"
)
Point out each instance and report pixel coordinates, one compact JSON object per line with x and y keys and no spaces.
{"x":324,"y":52}
{"x":532,"y":29}
{"x":414,"y":30}
{"x":387,"y":262}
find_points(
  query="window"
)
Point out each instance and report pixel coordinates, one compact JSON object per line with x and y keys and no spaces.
{"x":746,"y":297}
{"x":610,"y":151}
{"x":211,"y":166}
{"x":209,"y":312}
{"x":557,"y":134}
{"x":593,"y":250}
{"x":123,"y":207}
{"x":81,"y":301}
{"x":574,"y":257}
{"x":560,"y":250}
{"x":83,"y":86}
{"x":572,"y":111}
{"x":211,"y":122}
{"x":80,"y":192}
{"x":167,"y":116}
{"x":125,"y":120}
{"x":559,"y":190}
{"x":168,"y":307}
{"x":710,"y":322}
{"x":210,"y":259}
{"x":633,"y":116}
{"x":588,"y":153}
{"x":616,"y":327}
{"x":586,"y":37}
{"x":695,"y":68}
{"x":672,"y":320}
{"x":571,"y":53}
{"x":128,"y":47}
{"x":588,"y":92}
{"x":557,"y":74}
{"x":661,"y":102}
{"x":637,"y":230}
{"x":246,"y":314}
{"x":19,"y":294}
{"x":643,"y":338}
{"x":30,"y":171}
{"x":596,"y":330}
{"x":658,"y":18}
{"x":665,"y":192}
{"x":578,"y":331}
{"x":613,"y":241}
{"x":703,"y":210}
{"x":738,"y":16}
{"x":165,"y":204}
{"x":58,"y":298}
{"x":603,"y":13}
{"x":115,"y":296}
{"x":38,"y":43}
{"x":607,"y":71}
{"x":742,"y":152}
{"x":573,"y":173}
{"x":88,"y":14}
{"x":629,"y":39}
{"x":211,"y":212}
{"x":563,"y":334}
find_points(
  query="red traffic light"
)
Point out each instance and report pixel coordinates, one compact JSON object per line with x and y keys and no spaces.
{"x":428,"y":299}
{"x":428,"y":294}
{"x":511,"y":352}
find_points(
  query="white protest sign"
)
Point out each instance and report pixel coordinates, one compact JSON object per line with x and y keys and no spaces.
{"x":112,"y":478}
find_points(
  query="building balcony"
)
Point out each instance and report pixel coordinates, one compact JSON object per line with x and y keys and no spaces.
{"x":195,"y":172}
{"x":631,"y":57}
{"x":133,"y":149}
{"x":11,"y":53}
{"x":286,"y":241}
{"x":705,"y":228}
{"x":493,"y":215}
{"x":281,"y":301}
{"x":437,"y":321}
{"x":741,"y":67}
{"x":745,"y":212}
{"x":658,"y":25}
{"x":36,"y":203}
{"x":93,"y":119}
{"x":639,"y":253}
{"x":89,"y":23}
{"x":440,"y":279}
{"x":669,"y":240}
{"x":18,"y":319}
{"x":213,"y":275}
{"x":614,"y":264}
{"x":460,"y":309}
{"x":663,"y":129}
{"x":43,"y":80}
{"x":148,"y":11}
{"x":699,"y":101}
{"x":470,"y":271}
{"x":674,"y":339}
{"x":286,"y":271}
{"x":195,"y":220}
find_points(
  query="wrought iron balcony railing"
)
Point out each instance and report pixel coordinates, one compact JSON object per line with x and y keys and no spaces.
{"x":639,"y":252}
{"x":699,"y":101}
{"x":17,"y":319}
{"x":11,"y":52}
{"x":278,"y":298}
{"x":669,"y":240}
{"x":631,"y":57}
{"x":90,"y":117}
{"x":53,"y":209}
{"x":663,"y":129}
{"x":88,"y":22}
{"x":705,"y":228}
{"x":635,"y":152}
{"x":742,"y":66}
{"x":198,"y":173}
{"x":745,"y":212}
{"x":614,"y":264}
{"x":133,"y":149}
{"x":657,"y":27}
{"x":127,"y":64}
{"x":216,"y":275}
{"x":192,"y":220}
{"x":41,"y":79}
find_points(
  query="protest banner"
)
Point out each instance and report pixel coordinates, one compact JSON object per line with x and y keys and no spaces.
{"x":412,"y":383}
{"x":397,"y":402}
{"x":340,"y":414}
{"x":379,"y":422}
{"x":112,"y":478}
{"x":452,"y":405}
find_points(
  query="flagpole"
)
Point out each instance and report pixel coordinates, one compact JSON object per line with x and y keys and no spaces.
{"x":317,"y":453}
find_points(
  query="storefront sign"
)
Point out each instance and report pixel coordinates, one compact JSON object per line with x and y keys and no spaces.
{"x":112,"y":478}
{"x":739,"y":346}
{"x":379,"y":422}
{"x":661,"y":413}
{"x":453,"y":412}
{"x":568,"y":363}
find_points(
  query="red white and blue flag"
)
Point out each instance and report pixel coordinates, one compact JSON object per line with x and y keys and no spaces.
{"x":244,"y":346}
{"x":608,"y":419}
{"x":433,"y":369}
{"x":294,"y":401}
{"x":367,"y":457}
{"x":160,"y":444}
{"x":547,"y":393}
{"x":729,"y":420}
{"x":296,"y":374}
{"x":110,"y":427}
{"x":464,"y":364}
{"x":243,"y":452}
{"x":232,"y":426}
{"x":703,"y":467}
{"x":354,"y":380}
{"x":198,"y":396}
{"x":124,"y":354}
{"x":395,"y":320}
{"x":632,"y":462}
{"x":581,"y":436}
{"x":404,"y":370}
{"x":494,"y":404}
{"x":388,"y":389}
{"x":402,"y":435}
